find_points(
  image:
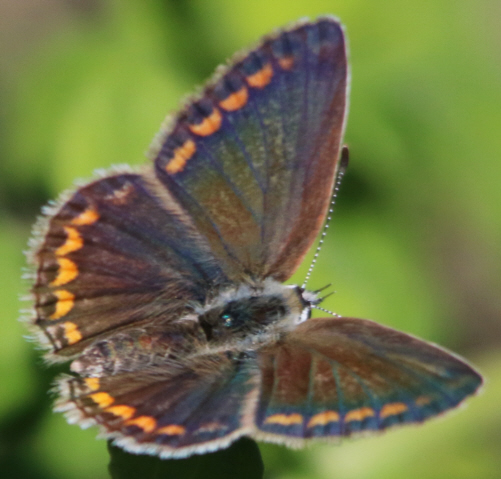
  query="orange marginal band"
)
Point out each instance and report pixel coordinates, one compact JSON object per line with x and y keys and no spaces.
{"x":65,"y":302}
{"x":261,"y":78}
{"x":209,"y":125}
{"x":71,"y":332}
{"x":284,"y":419}
{"x":68,"y":271}
{"x":323,"y":418}
{"x":73,"y":242}
{"x":102,"y":399}
{"x":125,"y":412}
{"x":146,"y":423}
{"x":92,"y":383}
{"x":87,"y":217}
{"x":359,"y":414}
{"x":181,"y":156}
{"x":172,"y":430}
{"x":236,"y":100}
{"x":392,"y":409}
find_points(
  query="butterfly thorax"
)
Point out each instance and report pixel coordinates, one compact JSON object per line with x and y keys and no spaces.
{"x":247,"y":316}
{"x":237,"y":319}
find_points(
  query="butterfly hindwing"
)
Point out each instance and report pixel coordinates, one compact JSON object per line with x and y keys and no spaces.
{"x":113,"y":247}
{"x":339,"y":376}
{"x":173,"y":409}
{"x":253,"y":160}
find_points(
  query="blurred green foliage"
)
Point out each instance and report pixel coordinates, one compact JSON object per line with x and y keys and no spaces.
{"x":415,"y":239}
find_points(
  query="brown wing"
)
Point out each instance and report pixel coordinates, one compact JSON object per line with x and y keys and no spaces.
{"x":115,"y":254}
{"x":253,"y":160}
{"x":339,"y":376}
{"x":174,"y":409}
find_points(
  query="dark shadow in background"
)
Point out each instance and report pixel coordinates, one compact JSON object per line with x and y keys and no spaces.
{"x":241,"y":460}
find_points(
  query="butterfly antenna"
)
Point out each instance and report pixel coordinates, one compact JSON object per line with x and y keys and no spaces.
{"x":326,"y":311}
{"x":343,"y":164}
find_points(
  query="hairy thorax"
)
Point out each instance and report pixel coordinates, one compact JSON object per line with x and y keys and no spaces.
{"x":250,"y":315}
{"x":235,"y":320}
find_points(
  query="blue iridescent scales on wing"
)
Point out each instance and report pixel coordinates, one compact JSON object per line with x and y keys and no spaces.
{"x":164,"y":286}
{"x":340,"y":376}
{"x":259,"y":184}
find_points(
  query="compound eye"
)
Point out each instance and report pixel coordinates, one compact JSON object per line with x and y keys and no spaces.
{"x":227,"y":320}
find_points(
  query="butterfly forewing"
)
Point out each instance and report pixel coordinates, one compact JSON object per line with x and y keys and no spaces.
{"x":116,"y":253}
{"x":339,"y":376}
{"x":253,"y":161}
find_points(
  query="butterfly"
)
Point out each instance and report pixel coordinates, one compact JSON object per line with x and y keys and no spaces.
{"x":164,"y":286}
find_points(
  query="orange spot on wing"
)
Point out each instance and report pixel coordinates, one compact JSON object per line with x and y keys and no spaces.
{"x":146,"y":423}
{"x":208,"y":125}
{"x":172,"y":430}
{"x":261,"y":78}
{"x":92,"y":383}
{"x":286,"y":62}
{"x":236,"y":100}
{"x":284,"y":419}
{"x":359,"y":414}
{"x":181,"y":156}
{"x":87,"y":217}
{"x":102,"y":399}
{"x":423,"y":400}
{"x":393,"y":409}
{"x":73,"y":242}
{"x":68,"y":271}
{"x":323,"y":418}
{"x":125,"y":412}
{"x":71,"y":332}
{"x":65,"y":301}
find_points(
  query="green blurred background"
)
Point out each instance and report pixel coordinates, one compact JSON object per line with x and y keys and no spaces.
{"x":415,"y":242}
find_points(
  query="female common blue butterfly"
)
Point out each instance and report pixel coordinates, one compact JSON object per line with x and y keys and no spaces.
{"x":164,"y":286}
